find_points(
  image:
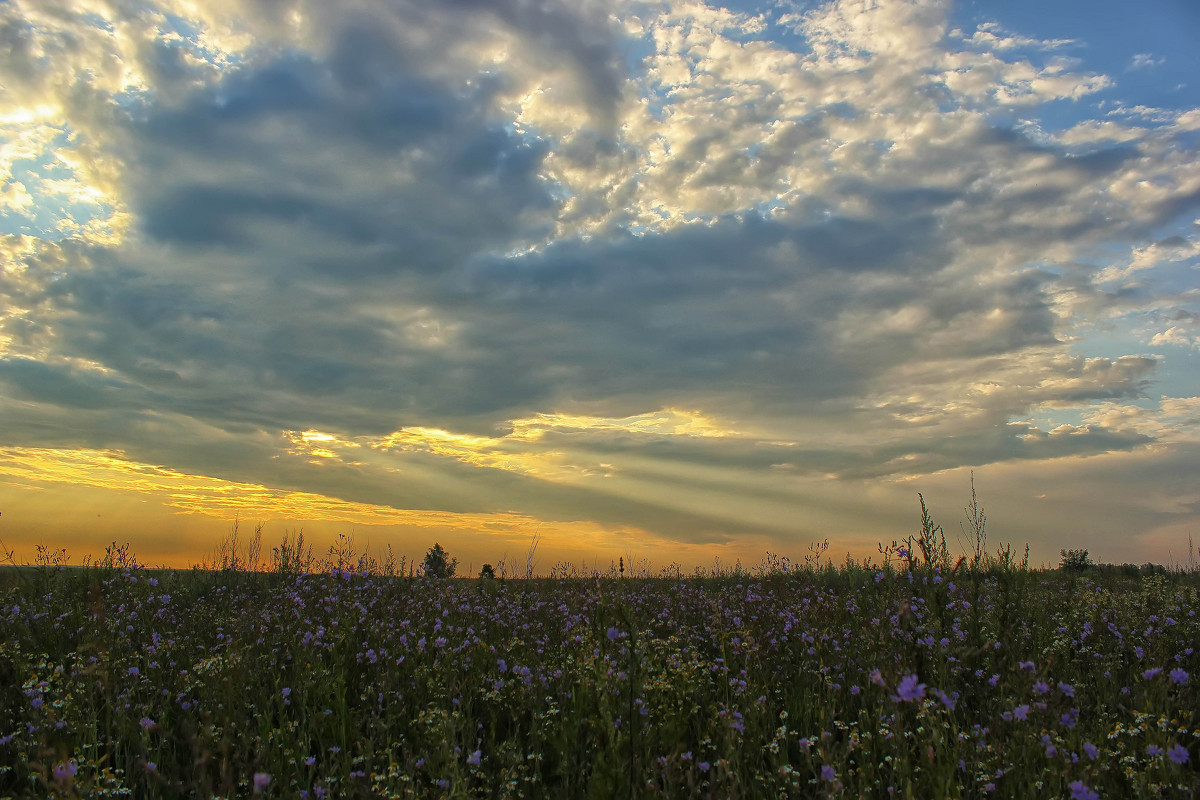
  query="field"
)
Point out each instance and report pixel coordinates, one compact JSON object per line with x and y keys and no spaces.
{"x":911,"y":678}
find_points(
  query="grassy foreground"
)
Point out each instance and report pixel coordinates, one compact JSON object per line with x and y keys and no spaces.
{"x":907,"y":680}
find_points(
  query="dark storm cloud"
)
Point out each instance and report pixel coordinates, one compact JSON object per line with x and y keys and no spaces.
{"x":26,"y":379}
{"x":579,"y":33}
{"x":210,"y":215}
{"x":746,"y":308}
{"x":416,"y":169}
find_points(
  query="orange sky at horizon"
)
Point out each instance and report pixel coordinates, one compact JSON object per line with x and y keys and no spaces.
{"x":81,"y":500}
{"x":178,"y":520}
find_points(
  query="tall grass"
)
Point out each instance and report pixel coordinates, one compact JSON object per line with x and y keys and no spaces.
{"x":355,"y":678}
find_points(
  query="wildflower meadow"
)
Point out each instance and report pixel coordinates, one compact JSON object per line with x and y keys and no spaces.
{"x":910,"y":677}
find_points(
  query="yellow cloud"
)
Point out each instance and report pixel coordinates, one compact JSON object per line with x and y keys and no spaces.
{"x":520,"y":450}
{"x":201,"y":494}
{"x":665,"y":422}
{"x":316,"y":443}
{"x":480,"y":451}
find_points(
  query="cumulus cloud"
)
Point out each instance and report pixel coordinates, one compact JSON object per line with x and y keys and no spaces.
{"x":1145,"y":61}
{"x":575,"y":260}
{"x":1175,"y":335}
{"x":993,"y":36}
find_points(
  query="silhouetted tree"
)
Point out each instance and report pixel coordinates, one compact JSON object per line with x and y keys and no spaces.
{"x":487,"y":572}
{"x":1074,"y":560}
{"x":438,"y":562}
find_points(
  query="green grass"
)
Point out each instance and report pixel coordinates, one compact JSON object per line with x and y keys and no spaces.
{"x":121,"y":681}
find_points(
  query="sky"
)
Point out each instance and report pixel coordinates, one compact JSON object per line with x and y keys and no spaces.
{"x":670,"y":281}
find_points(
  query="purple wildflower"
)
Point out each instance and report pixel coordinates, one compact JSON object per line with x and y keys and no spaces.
{"x":474,"y":759}
{"x":1178,"y":753}
{"x":1081,"y":791}
{"x":148,"y":724}
{"x":828,"y":773}
{"x":1091,"y":750}
{"x":64,"y":771}
{"x":1179,"y":675}
{"x":1153,"y":751}
{"x":1021,"y":712}
{"x":261,"y":781}
{"x":1151,"y":674}
{"x":1067,"y":689}
{"x":909,"y":689}
{"x":1051,"y":749}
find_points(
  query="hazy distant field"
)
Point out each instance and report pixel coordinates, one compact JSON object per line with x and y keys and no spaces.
{"x":785,"y":682}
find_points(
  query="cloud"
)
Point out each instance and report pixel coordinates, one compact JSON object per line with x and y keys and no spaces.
{"x":1175,"y":249}
{"x":1145,"y":61}
{"x":576,"y":261}
{"x":196,"y":494}
{"x":992,"y":36}
{"x":1175,"y":420}
{"x":1175,"y":335}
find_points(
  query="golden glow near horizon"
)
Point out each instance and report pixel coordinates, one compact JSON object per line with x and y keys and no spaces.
{"x":221,"y":499}
{"x":474,"y":537}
